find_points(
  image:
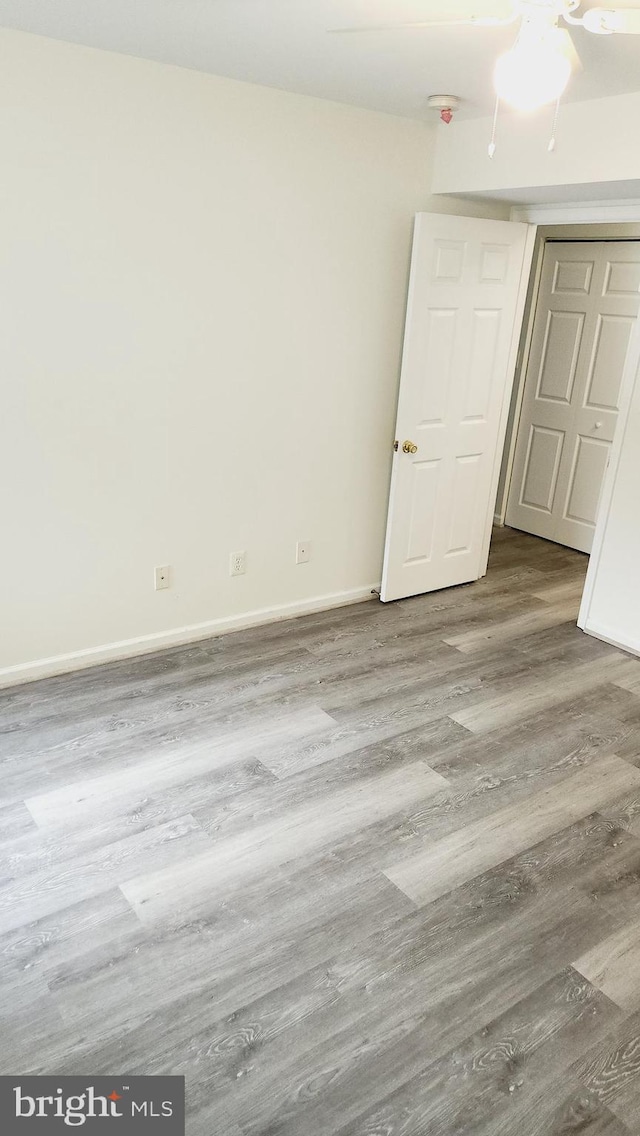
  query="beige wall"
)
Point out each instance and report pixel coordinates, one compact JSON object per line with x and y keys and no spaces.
{"x":594,"y":158}
{"x":611,"y":607}
{"x":203,"y":288}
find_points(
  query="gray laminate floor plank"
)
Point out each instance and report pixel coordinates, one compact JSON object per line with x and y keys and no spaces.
{"x":556,"y":1105}
{"x":182,"y":1038}
{"x":469,"y":940}
{"x":152,"y":804}
{"x":515,"y":628}
{"x":174,"y":763}
{"x":558,"y":593}
{"x":131,"y":707}
{"x":441,"y":866}
{"x":70,"y":932}
{"x":481,"y":1079}
{"x":275,"y":930}
{"x":50,"y":887}
{"x":15,"y":820}
{"x":193,"y":848}
{"x":610,"y":1070}
{"x":613,"y":965}
{"x":313,"y":826}
{"x":481,"y":783}
{"x":473,"y":940}
{"x":565,"y":643}
{"x":542,"y":694}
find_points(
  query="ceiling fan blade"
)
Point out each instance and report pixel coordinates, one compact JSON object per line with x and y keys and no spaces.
{"x":606,"y":21}
{"x":472,"y":14}
{"x":470,"y":21}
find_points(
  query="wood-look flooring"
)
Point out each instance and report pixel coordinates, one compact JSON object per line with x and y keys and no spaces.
{"x":372,"y":872}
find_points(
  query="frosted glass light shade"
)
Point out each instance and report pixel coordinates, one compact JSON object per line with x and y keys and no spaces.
{"x":532,"y":74}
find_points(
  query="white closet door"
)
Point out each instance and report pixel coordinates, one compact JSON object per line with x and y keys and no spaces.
{"x":588,"y":303}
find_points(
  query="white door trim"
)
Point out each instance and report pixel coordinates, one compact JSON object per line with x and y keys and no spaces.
{"x":578,"y":212}
{"x":525,"y":278}
{"x":508,"y":453}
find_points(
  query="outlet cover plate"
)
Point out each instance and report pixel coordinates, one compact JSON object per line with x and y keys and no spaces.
{"x":237,"y":563}
{"x":162,"y":577}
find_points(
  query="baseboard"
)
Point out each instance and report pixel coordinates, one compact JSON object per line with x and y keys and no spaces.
{"x":610,"y":635}
{"x":176,"y":637}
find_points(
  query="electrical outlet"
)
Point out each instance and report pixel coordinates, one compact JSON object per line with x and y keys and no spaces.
{"x":237,"y":563}
{"x":303,"y":552}
{"x":162,"y":577}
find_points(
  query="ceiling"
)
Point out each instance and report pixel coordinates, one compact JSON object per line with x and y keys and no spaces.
{"x":285,"y":44}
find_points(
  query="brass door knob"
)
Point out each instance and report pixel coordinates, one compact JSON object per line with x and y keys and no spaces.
{"x":409,"y":448}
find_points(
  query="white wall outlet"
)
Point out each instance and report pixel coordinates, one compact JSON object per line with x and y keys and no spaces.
{"x":303,"y":552}
{"x":237,"y":563}
{"x":162,"y":577}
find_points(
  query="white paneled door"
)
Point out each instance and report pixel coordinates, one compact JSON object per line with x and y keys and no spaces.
{"x":466,"y":298}
{"x":587,"y":306}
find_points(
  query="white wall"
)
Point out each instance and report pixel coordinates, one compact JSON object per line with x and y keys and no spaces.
{"x":202,"y":290}
{"x":593,"y":159}
{"x":611,"y":605}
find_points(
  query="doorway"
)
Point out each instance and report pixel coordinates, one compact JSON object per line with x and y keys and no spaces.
{"x":588,"y":300}
{"x":457,"y":432}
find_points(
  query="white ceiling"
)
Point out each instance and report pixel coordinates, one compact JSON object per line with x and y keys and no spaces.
{"x":285,"y":44}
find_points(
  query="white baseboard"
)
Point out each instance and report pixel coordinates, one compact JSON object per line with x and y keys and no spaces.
{"x":612,"y":636}
{"x":176,"y":637}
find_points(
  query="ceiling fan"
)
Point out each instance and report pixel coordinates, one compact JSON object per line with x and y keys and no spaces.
{"x":490,"y":14}
{"x":537,"y":68}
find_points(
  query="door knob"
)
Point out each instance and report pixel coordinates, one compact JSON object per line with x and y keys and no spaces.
{"x":409,"y":448}
{"x":597,"y":425}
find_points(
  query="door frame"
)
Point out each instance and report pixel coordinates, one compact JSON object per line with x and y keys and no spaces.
{"x":568,"y":231}
{"x":530,"y":273}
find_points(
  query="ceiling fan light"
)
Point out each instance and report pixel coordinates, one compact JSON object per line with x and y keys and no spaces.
{"x":532,"y":74}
